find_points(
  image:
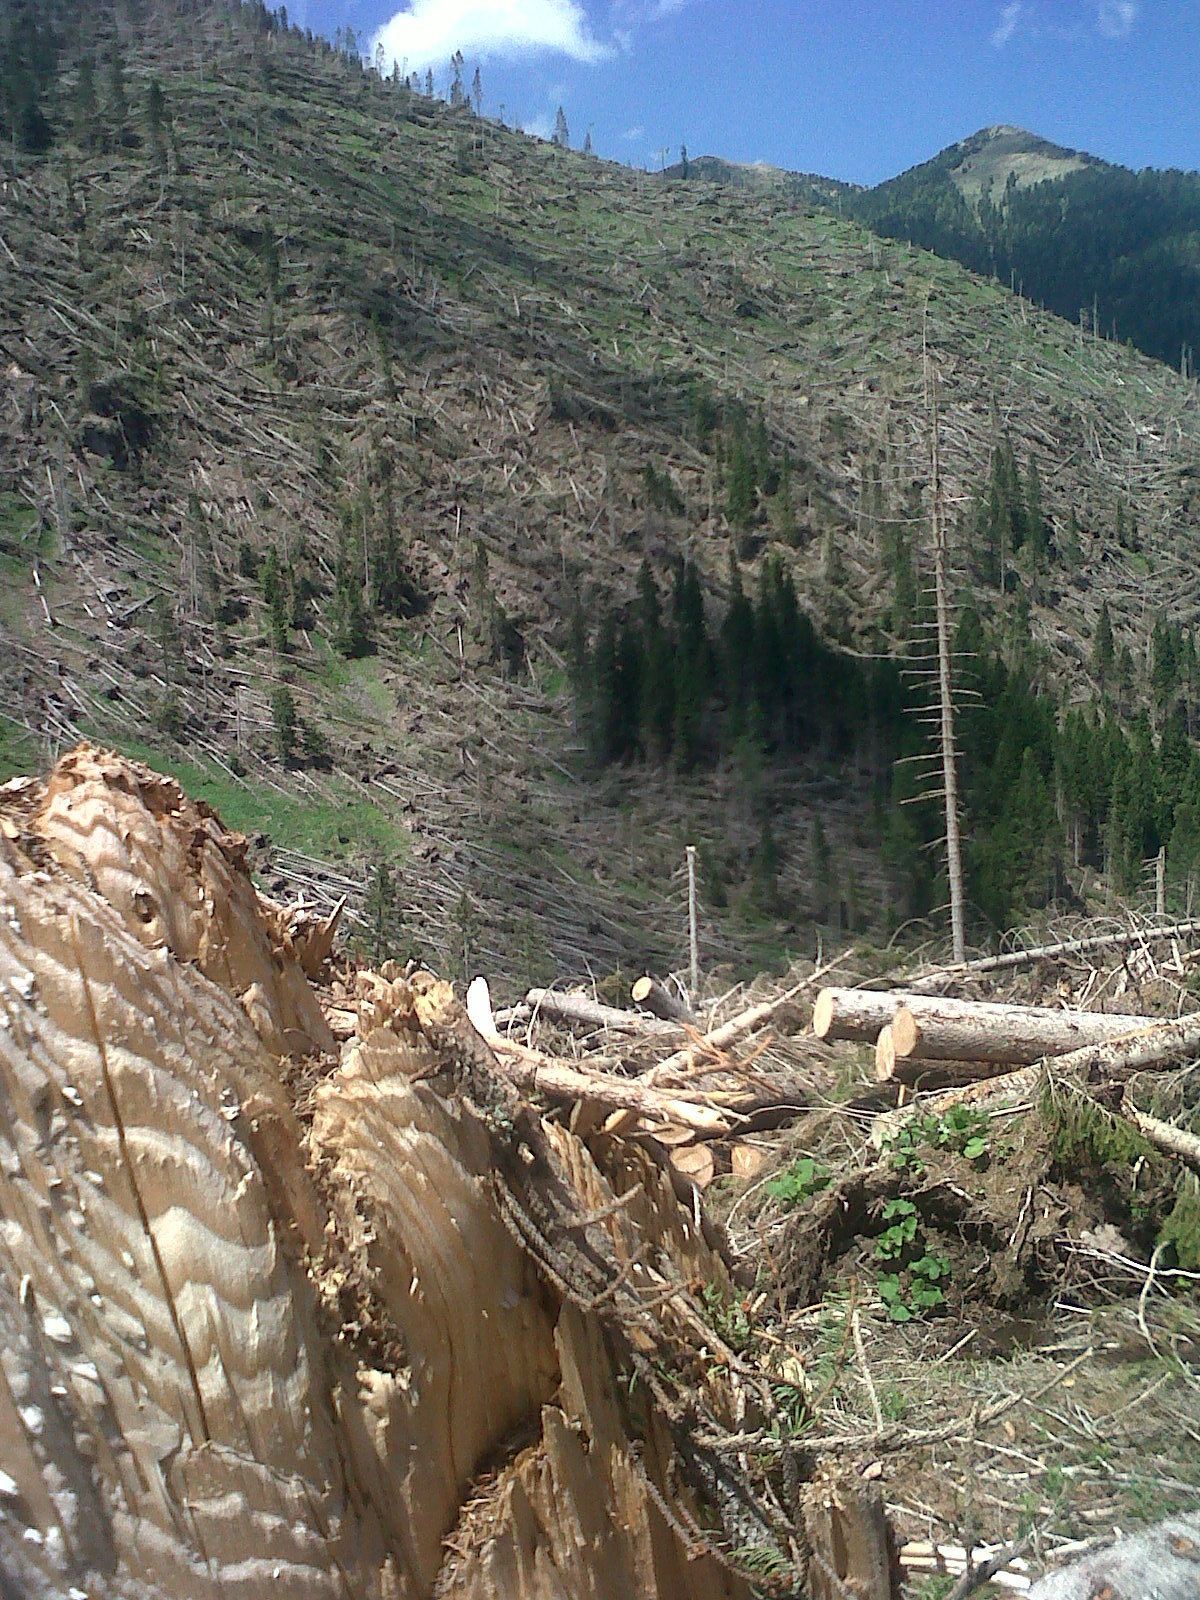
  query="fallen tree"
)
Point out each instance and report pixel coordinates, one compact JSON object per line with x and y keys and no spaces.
{"x":938,"y":1029}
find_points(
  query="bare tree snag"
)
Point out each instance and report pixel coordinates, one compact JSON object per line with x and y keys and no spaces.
{"x":954,"y":869}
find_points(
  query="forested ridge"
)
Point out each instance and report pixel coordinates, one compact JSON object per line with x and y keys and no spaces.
{"x":1116,"y":248}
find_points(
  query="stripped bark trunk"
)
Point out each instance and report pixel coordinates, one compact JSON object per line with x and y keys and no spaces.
{"x":1089,"y":944}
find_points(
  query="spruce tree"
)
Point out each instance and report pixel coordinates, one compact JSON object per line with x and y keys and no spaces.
{"x":561,"y":136}
{"x":1102,"y":648}
{"x":85,"y":103}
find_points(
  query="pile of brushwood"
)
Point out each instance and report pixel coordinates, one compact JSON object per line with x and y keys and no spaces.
{"x":961,"y":1206}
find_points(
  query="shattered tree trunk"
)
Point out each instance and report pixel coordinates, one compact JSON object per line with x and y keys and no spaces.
{"x":245,"y":1353}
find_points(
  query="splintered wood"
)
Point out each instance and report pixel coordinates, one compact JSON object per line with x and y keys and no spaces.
{"x":373,"y":1337}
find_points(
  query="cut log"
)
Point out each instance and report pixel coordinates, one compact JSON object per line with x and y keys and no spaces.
{"x":582,"y":1011}
{"x":1012,"y":1036}
{"x":662,"y":1001}
{"x":937,"y":1029}
{"x":932,"y":1074}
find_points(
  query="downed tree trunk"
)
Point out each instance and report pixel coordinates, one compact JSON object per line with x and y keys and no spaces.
{"x":1152,"y":1045}
{"x":891,"y":1065}
{"x":1011,"y":960}
{"x":663,"y":1002}
{"x":584,"y":1012}
{"x":1164,"y":1136}
{"x":938,"y":1029}
{"x":1009,"y":1036}
{"x":1006,"y":1086}
{"x":1163,"y":1561}
{"x":533,"y":1070}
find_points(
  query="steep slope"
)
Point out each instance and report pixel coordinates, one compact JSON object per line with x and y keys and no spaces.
{"x":300,"y":366}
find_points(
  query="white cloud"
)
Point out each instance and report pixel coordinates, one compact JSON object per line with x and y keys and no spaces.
{"x":1116,"y":18}
{"x":1010,"y":19}
{"x":428,"y":32}
{"x":632,"y":135}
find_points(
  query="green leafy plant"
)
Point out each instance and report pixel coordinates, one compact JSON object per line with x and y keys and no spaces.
{"x":728,"y":1318}
{"x":801,"y":1181}
{"x":894,"y":1241}
{"x":961,"y":1130}
{"x":922,"y":1293}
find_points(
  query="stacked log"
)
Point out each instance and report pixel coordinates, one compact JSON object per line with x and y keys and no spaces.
{"x":937,"y":1041}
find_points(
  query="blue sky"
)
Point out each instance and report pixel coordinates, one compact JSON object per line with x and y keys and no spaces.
{"x":855,"y":89}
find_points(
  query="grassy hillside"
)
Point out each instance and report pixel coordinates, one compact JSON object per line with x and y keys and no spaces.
{"x":311,"y":385}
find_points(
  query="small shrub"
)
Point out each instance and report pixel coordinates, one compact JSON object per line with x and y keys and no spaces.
{"x":800,"y":1182}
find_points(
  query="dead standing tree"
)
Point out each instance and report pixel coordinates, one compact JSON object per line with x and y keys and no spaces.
{"x":945,"y":684}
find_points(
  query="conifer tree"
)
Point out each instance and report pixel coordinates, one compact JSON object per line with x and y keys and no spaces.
{"x":118,"y":104}
{"x":284,"y":721}
{"x":85,"y":102}
{"x":561,"y":136}
{"x":1102,"y":648}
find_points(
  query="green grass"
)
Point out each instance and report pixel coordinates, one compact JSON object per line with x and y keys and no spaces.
{"x":332,"y":830}
{"x":19,"y":752}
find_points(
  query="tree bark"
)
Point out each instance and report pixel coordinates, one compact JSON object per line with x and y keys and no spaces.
{"x":587,"y":1013}
{"x":931,"y":1074}
{"x":1152,"y":1045}
{"x":1012,"y":1036}
{"x":1163,"y":1561}
{"x":661,"y":1001}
